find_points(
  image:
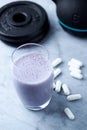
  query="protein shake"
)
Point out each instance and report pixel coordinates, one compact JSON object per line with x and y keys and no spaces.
{"x":33,"y":76}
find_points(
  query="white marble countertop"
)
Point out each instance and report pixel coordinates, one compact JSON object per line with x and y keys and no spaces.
{"x":13,"y":116}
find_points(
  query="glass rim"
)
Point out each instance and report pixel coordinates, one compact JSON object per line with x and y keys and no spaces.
{"x":28,"y":44}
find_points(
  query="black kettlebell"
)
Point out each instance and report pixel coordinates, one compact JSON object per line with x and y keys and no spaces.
{"x":72,"y":16}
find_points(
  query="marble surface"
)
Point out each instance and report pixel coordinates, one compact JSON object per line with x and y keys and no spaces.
{"x":13,"y":116}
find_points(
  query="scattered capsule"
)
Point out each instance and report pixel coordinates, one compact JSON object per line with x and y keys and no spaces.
{"x":65,"y":89}
{"x":71,"y":64}
{"x":57,"y":72}
{"x":58,"y":86}
{"x":78,"y":62}
{"x":54,"y":85}
{"x":56,"y":62}
{"x":76,"y":75}
{"x":69,"y":113}
{"x":74,"y":97}
{"x":73,"y":69}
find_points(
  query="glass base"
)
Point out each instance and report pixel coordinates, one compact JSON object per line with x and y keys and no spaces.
{"x":37,"y":108}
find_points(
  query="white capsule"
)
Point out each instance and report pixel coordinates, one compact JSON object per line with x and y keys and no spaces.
{"x":57,"y":72}
{"x":65,"y":89}
{"x":75,"y":63}
{"x":76,"y":75}
{"x":56,"y":62}
{"x":69,"y":113}
{"x":71,"y":64}
{"x":73,"y":69}
{"x":54,"y":85}
{"x":74,"y":97}
{"x":58,"y":86}
{"x":78,"y":62}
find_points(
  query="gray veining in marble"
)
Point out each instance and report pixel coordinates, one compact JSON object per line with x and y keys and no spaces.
{"x":13,"y":116}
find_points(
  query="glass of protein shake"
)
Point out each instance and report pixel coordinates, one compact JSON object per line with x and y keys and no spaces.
{"x":33,"y":75}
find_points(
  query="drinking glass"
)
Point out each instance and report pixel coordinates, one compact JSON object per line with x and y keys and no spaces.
{"x":32,"y":75}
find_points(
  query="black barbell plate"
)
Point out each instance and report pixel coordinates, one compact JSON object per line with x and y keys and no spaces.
{"x":22,"y":22}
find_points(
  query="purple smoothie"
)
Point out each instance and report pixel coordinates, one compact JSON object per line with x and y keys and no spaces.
{"x":33,"y":76}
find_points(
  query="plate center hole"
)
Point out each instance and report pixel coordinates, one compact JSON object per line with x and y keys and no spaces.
{"x":19,"y":17}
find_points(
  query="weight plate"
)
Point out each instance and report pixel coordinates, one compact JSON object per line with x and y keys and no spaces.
{"x":22,"y":22}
